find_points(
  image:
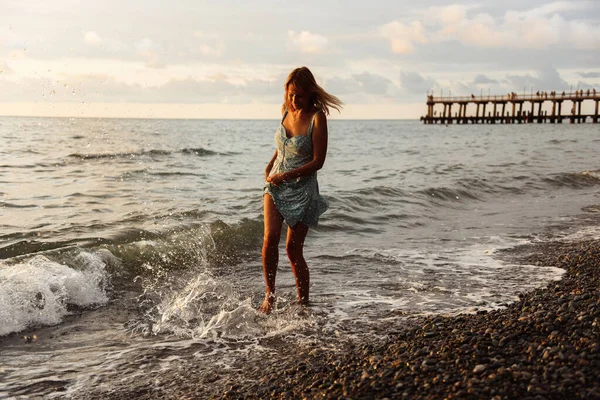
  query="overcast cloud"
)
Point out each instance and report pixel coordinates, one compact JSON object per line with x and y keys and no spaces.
{"x":239,"y":52}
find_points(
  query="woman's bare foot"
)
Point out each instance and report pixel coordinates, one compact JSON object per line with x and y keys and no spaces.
{"x":267,"y":305}
{"x":303,"y":301}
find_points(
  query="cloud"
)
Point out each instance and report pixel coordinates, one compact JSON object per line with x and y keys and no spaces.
{"x":204,"y":35}
{"x":342,"y":86}
{"x":217,"y":90}
{"x":18,"y":54}
{"x":92,"y":38}
{"x":481,"y":79}
{"x":147,"y":45}
{"x":4,"y":68}
{"x":559,"y":7}
{"x":369,"y":88}
{"x":589,"y":74}
{"x":10,"y":40}
{"x":212,"y":44}
{"x":90,"y":88}
{"x":208,"y":50}
{"x":535,"y":28}
{"x":308,"y":42}
{"x":450,"y":17}
{"x":364,"y":88}
{"x":546,"y":79}
{"x":403,"y":37}
{"x":373,"y":84}
{"x":395,"y":56}
{"x":416,"y":83}
{"x":150,"y":51}
{"x":585,"y":86}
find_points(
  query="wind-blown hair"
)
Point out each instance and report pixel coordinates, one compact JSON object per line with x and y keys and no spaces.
{"x":303,"y":79}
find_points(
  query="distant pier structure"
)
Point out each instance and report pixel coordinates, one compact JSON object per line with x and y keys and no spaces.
{"x":513,"y":108}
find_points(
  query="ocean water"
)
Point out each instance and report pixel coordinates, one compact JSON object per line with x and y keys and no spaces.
{"x":126,"y":244}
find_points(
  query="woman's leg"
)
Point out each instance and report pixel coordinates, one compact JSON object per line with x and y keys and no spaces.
{"x":294,"y":246}
{"x":270,"y":251}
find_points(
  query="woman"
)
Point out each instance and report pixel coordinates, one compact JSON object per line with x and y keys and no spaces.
{"x":291,"y":190}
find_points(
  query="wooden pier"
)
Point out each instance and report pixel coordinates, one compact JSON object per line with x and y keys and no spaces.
{"x":513,"y":108}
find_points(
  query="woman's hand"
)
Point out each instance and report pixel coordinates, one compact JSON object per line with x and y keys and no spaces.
{"x":275,"y":179}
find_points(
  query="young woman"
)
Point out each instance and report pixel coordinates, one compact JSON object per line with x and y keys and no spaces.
{"x":291,"y":192}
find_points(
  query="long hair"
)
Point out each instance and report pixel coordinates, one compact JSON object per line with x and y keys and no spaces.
{"x":304,"y":79}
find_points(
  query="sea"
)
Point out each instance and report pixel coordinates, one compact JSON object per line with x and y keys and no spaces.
{"x":130,"y":248}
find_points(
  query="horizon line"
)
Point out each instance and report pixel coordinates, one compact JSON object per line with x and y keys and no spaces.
{"x":197,"y":118}
{"x":250,"y":111}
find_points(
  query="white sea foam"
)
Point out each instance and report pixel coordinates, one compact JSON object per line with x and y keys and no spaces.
{"x":584,"y":233}
{"x":438,"y":280}
{"x":37,"y":291}
{"x":239,"y":322}
{"x":592,"y":173}
{"x":210,"y":308}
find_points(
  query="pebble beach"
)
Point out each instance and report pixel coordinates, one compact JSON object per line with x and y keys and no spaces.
{"x":543,"y":346}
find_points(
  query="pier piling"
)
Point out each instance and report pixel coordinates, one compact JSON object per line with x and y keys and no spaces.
{"x":512,"y":116}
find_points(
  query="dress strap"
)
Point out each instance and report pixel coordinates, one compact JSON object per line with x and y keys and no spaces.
{"x":285,"y":113}
{"x":312,"y":122}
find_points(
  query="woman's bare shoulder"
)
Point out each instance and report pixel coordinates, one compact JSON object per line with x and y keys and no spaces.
{"x":320,"y":118}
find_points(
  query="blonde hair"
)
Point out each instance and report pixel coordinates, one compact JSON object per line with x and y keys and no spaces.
{"x":304,"y":80}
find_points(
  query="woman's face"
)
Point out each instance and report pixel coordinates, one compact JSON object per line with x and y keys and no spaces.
{"x":297,"y":98}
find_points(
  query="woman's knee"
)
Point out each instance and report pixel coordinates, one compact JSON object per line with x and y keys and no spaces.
{"x":294,"y":250}
{"x":271,"y":239}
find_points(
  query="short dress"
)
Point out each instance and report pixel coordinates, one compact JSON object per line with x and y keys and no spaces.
{"x":297,"y":200}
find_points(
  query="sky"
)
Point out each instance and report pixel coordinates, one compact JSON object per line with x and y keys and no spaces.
{"x":229,"y":59}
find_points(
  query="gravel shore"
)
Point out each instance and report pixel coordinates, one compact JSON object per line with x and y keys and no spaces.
{"x":544,"y":346}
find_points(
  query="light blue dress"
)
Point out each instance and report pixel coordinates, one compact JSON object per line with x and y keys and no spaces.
{"x":297,"y":200}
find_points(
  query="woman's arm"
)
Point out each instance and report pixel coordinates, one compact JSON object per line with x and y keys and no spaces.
{"x":319,"y":141}
{"x":270,"y":165}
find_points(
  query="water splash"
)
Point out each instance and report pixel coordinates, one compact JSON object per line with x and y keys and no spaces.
{"x":38,"y":291}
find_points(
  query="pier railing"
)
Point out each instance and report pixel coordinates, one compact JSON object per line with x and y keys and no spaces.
{"x":512,"y":100}
{"x":518,"y":97}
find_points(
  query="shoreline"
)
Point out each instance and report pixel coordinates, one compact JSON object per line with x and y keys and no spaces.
{"x":543,"y":346}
